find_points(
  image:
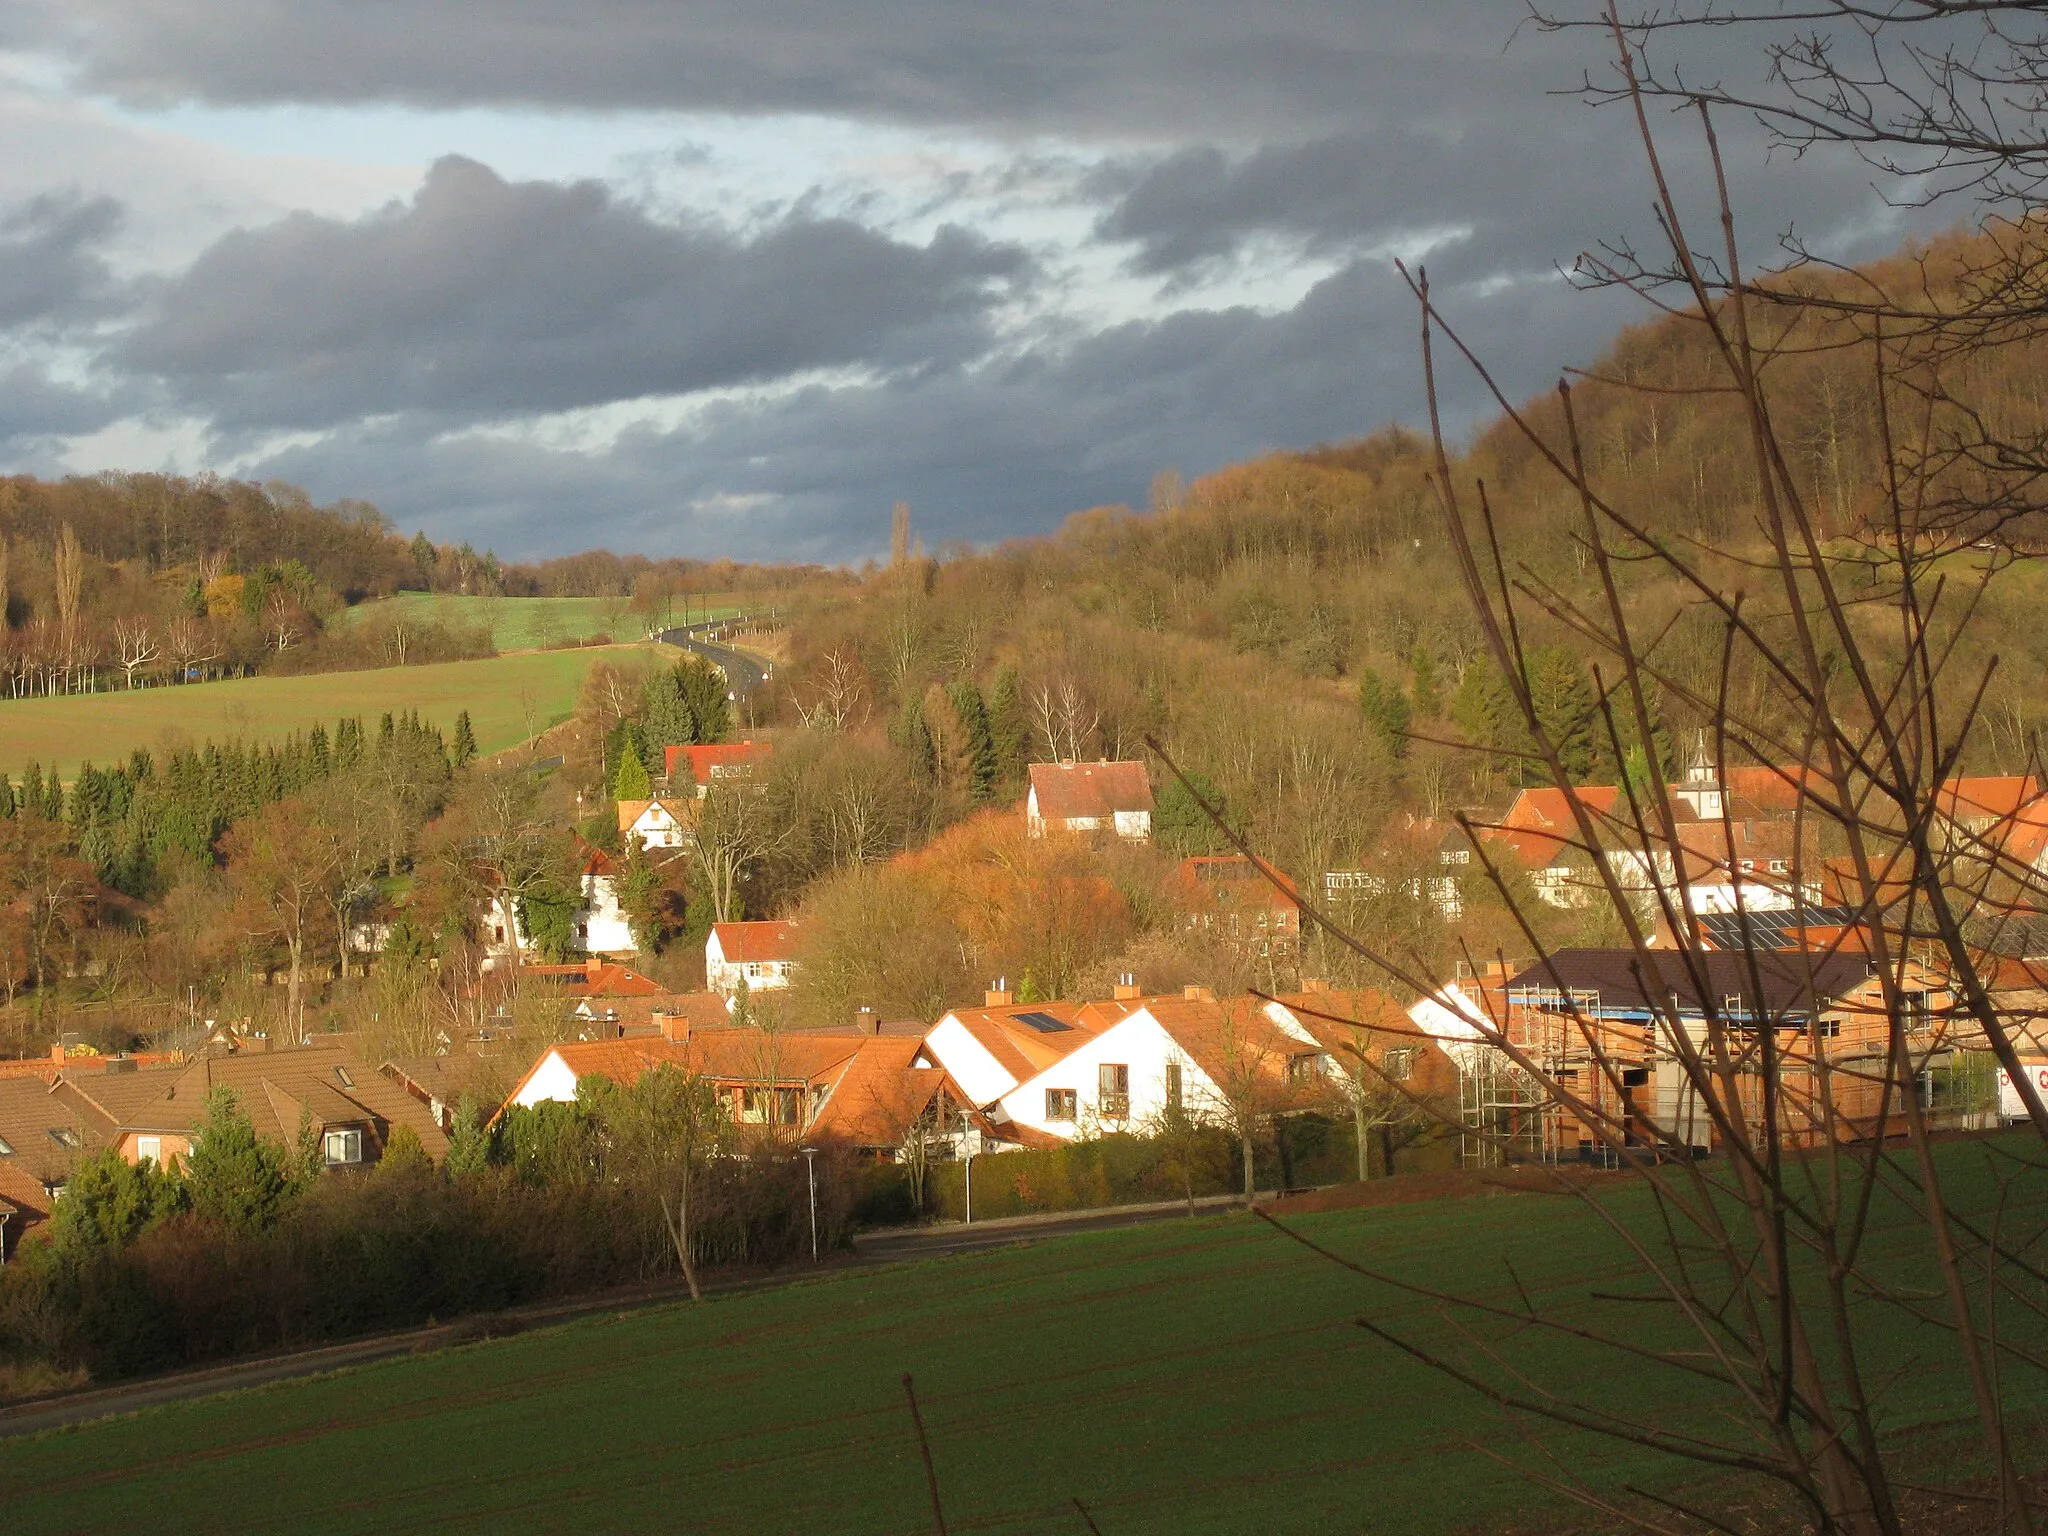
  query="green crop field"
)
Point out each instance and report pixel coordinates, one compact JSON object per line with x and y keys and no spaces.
{"x":520,"y":623}
{"x":503,"y":694}
{"x":1185,"y":1377}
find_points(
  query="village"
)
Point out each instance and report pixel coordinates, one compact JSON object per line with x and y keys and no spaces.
{"x":1460,"y":1069}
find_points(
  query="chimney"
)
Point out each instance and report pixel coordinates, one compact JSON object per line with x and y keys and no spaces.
{"x":868,"y":1022}
{"x":673,"y":1027}
{"x":1195,"y":994}
{"x":1127,"y":988}
{"x":999,"y":995}
{"x":57,"y":1053}
{"x":1314,"y":984}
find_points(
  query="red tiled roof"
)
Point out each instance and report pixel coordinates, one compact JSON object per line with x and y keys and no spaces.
{"x":705,"y":762}
{"x":1089,"y":791}
{"x":1995,"y":797}
{"x":757,"y":943}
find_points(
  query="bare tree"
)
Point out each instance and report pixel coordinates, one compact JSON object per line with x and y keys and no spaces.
{"x":135,"y":646}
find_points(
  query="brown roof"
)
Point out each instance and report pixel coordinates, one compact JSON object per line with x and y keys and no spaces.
{"x":1089,"y":791}
{"x":880,"y":1095}
{"x":759,"y":943}
{"x":275,"y":1088}
{"x":29,"y":1111}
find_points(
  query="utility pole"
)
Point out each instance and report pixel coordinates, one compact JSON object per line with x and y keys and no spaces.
{"x":811,"y":1174}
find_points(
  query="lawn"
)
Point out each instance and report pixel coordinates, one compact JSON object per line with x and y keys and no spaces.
{"x":503,"y":694}
{"x":1186,"y":1377}
{"x":520,"y":623}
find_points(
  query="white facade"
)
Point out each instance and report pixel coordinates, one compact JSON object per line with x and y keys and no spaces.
{"x":2010,"y":1104}
{"x":1135,"y":825}
{"x":657,"y":827}
{"x":981,"y":1077}
{"x":601,"y":928}
{"x":1137,"y":1045}
{"x":552,"y":1080}
{"x":723,"y":976}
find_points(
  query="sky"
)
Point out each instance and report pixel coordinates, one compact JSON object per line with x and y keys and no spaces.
{"x":732,"y":277}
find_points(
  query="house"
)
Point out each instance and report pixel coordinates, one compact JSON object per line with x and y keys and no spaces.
{"x":656,"y":822}
{"x":1975,"y":806}
{"x":43,"y":1135}
{"x":442,"y":1083}
{"x":350,"y":1109}
{"x":1062,"y":1070}
{"x":868,"y":1093}
{"x":1600,"y":1020}
{"x":1089,"y":797}
{"x":601,"y":927}
{"x":700,"y":767}
{"x":761,"y":953}
{"x":1229,"y":896}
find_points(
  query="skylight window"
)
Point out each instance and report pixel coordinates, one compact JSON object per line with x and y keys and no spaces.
{"x":341,"y":1073}
{"x":6,"y":1147}
{"x":1044,"y":1023}
{"x":65,"y":1137}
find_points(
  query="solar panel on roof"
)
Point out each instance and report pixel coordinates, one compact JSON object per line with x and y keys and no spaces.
{"x":1044,"y":1023}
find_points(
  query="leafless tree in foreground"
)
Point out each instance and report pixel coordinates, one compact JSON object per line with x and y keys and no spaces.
{"x":1762,"y":1292}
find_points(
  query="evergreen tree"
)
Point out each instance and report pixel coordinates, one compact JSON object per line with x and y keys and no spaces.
{"x":469,"y":1144}
{"x":977,"y":739}
{"x":6,"y":799}
{"x":1008,"y":728}
{"x":909,"y":732}
{"x":1562,"y":693}
{"x":1386,"y":711}
{"x":465,"y":741}
{"x":704,"y":689}
{"x":231,"y":1175}
{"x":1428,"y":692}
{"x":631,"y":782}
{"x":1180,"y":825}
{"x":53,"y":797}
{"x":668,"y":721}
{"x":108,"y":1202}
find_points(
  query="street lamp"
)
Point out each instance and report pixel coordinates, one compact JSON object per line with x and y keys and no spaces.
{"x":811,"y":1175}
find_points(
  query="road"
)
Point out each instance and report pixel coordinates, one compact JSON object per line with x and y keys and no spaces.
{"x":897,"y":1246}
{"x":742,"y":671}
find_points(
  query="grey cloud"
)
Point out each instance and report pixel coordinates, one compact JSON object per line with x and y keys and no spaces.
{"x":1220,"y":66}
{"x":51,"y":270}
{"x":981,"y":453}
{"x":488,"y":298}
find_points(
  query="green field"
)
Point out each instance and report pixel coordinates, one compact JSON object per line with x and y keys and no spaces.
{"x":503,"y":694}
{"x":521,"y":623}
{"x":1184,"y":1377}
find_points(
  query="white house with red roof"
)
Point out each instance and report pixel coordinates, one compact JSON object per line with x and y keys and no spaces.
{"x":657,"y":823}
{"x":1089,"y":797}
{"x":762,"y":954}
{"x":723,"y":762}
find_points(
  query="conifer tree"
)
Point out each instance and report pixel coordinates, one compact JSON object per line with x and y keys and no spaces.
{"x":632,"y":781}
{"x":465,"y":741}
{"x":1428,"y":693}
{"x":1386,"y":711}
{"x":1009,"y":730}
{"x":977,"y":742}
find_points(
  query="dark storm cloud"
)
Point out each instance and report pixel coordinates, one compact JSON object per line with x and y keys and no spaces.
{"x":981,"y":453}
{"x":488,"y":298}
{"x":51,"y":270}
{"x":1220,"y":66}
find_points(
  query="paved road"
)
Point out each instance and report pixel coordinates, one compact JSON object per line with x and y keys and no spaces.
{"x":897,"y":1246}
{"x":742,"y":671}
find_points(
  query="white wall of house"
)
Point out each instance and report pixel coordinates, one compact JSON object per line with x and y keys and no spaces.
{"x":551,"y":1080}
{"x":656,"y":828}
{"x":1134,"y":824}
{"x":950,"y":1044}
{"x":1137,"y":1043}
{"x":723,"y":976}
{"x":2010,"y":1104}
{"x":601,"y":927}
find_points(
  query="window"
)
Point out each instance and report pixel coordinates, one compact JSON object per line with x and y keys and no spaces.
{"x":341,"y":1076}
{"x":1113,"y":1090}
{"x":344,"y":1146}
{"x":1062,"y":1103}
{"x":1308,"y":1067}
{"x":150,"y":1148}
{"x":1400,"y":1062}
{"x":1914,"y":1010}
{"x":65,"y":1137}
{"x":6,"y":1147}
{"x":1173,"y":1088}
{"x":1780,"y":867}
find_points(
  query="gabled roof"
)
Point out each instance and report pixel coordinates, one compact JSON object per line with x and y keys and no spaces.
{"x":632,"y":811}
{"x":1026,"y":1038}
{"x":1539,"y":826}
{"x":758,"y":943}
{"x":276,"y":1088}
{"x":1089,"y":791}
{"x":597,"y":978}
{"x":29,"y":1111}
{"x":717,"y":760}
{"x":1233,"y":878}
{"x":1232,"y":1040}
{"x":1987,"y":798}
{"x":880,"y":1095}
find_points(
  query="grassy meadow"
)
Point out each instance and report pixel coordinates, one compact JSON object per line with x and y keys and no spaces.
{"x":523,"y":623}
{"x":1186,"y":1377}
{"x":505,"y":695}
